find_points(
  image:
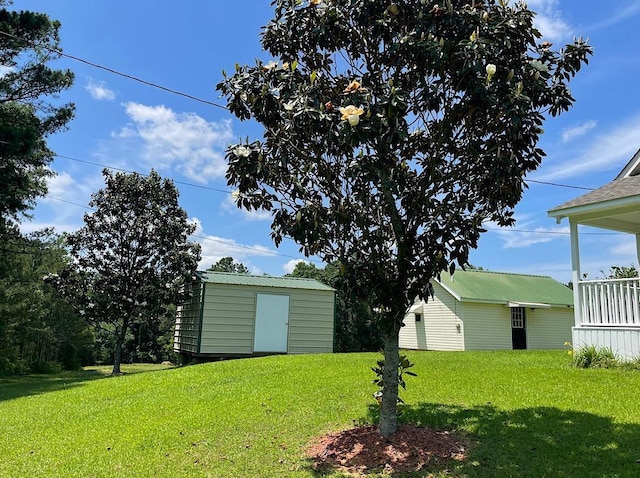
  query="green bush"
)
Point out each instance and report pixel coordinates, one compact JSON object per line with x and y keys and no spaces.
{"x":595,"y":357}
{"x":45,"y":367}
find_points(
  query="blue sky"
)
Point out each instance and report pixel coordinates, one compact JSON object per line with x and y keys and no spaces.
{"x":129,"y":125}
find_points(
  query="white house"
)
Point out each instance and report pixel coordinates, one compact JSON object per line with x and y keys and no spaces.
{"x":475,"y":310}
{"x":607,"y":312}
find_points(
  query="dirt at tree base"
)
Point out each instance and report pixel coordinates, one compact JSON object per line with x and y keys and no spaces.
{"x":363,"y":450}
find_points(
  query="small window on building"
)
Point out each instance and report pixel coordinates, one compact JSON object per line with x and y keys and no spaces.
{"x":418,"y":317}
{"x":517,"y":317}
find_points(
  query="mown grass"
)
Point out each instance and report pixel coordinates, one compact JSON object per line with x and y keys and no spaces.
{"x":525,"y":414}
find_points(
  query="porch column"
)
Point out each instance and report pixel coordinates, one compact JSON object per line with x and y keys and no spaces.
{"x":638,"y":250}
{"x":575,"y":273}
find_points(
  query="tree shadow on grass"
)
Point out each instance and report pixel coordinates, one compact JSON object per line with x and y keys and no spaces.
{"x":539,"y":441}
{"x":23,"y":386}
{"x":528,"y":442}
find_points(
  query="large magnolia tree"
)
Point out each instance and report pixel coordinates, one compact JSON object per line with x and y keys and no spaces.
{"x":392,"y":131}
{"x":132,"y":258}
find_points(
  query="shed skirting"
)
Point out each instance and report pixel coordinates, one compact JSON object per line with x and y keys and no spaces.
{"x":623,"y":341}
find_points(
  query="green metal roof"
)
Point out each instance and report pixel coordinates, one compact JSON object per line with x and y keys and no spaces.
{"x":262,"y":281}
{"x":500,"y":287}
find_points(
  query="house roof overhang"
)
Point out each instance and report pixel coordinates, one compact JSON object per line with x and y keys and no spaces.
{"x":615,"y":206}
{"x":533,"y":305}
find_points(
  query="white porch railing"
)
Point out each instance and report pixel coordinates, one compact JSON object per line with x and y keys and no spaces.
{"x":610,"y":302}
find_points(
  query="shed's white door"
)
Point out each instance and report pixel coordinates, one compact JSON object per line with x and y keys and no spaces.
{"x":272,"y":323}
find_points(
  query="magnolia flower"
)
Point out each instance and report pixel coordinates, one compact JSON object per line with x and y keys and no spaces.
{"x":242,"y":151}
{"x":538,"y":65}
{"x":353,"y":86}
{"x":491,"y":70}
{"x":235,"y":194}
{"x":289,"y":106}
{"x":474,"y":35}
{"x":270,"y":66}
{"x":351,"y":114}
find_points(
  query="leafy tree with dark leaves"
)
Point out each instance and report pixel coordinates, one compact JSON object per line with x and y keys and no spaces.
{"x":132,"y":258}
{"x":392,"y":131}
{"x":28,"y":42}
{"x":227,"y":264}
{"x":39,"y":332}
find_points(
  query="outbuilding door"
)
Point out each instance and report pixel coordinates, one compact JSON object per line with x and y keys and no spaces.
{"x":518,"y":328}
{"x":272,"y":323}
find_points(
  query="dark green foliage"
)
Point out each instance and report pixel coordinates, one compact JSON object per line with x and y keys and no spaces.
{"x":355,"y":327}
{"x":38,"y":330}
{"x":27,"y":44}
{"x":592,"y":356}
{"x":621,"y":272}
{"x":132,"y":260}
{"x":227,"y":264}
{"x":392,"y":132}
{"x":404,"y":365}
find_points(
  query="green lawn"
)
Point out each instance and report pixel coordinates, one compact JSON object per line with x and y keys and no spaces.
{"x":527,"y":413}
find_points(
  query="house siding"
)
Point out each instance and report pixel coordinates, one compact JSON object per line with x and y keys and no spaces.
{"x":187,"y":329}
{"x":487,"y":326}
{"x":624,"y":342}
{"x":437,"y":330}
{"x":549,"y":328}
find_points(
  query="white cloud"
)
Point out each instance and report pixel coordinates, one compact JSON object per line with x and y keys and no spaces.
{"x":215,"y":248}
{"x":229,"y":205}
{"x":5,"y":70}
{"x":185,"y":141}
{"x":619,"y":15}
{"x":574,"y":132}
{"x":99,"y":91}
{"x":608,"y":151}
{"x":288,"y":267}
{"x":524,"y":234}
{"x":67,"y":195}
{"x":549,"y":20}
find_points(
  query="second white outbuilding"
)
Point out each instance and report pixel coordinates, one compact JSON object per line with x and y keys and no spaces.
{"x":481,"y":310}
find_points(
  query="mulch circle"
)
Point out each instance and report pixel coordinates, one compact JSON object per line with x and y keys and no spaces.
{"x":363,"y":450}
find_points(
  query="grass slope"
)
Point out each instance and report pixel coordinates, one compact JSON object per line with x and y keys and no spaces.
{"x":528,"y":413}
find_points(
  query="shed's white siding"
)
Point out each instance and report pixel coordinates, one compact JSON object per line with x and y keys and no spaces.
{"x":487,"y":326}
{"x":438,"y":329}
{"x":549,"y":328}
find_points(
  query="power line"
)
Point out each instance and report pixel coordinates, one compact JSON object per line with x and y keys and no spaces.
{"x":559,"y":185}
{"x":528,"y":231}
{"x":226,"y":191}
{"x":119,"y":73}
{"x":205,"y":238}
{"x":229,"y":192}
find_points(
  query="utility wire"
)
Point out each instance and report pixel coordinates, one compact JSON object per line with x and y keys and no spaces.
{"x":205,"y":238}
{"x":229,"y":192}
{"x":226,"y":191}
{"x":296,"y":257}
{"x":559,"y":185}
{"x":116,"y":72}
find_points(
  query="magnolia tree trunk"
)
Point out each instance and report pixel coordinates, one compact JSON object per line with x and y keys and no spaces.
{"x":117,"y":353}
{"x":388,"y":409}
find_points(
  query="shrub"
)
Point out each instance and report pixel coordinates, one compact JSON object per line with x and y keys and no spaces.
{"x":591,"y":356}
